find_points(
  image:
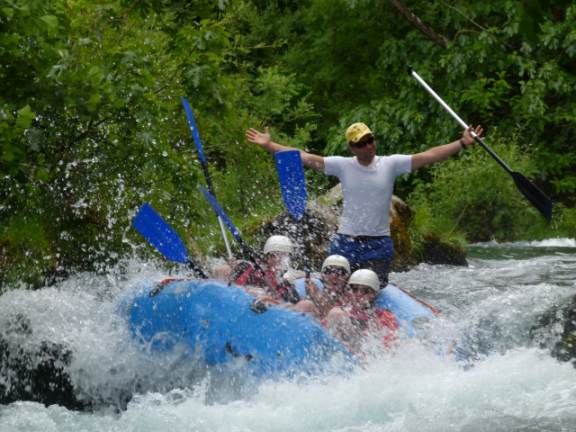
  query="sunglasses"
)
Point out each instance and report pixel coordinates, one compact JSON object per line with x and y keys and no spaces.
{"x":278,"y":254}
{"x":362,"y":289}
{"x":335,"y":270}
{"x":363,"y":142}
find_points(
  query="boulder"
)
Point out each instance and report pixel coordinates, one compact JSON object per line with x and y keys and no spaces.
{"x":34,"y":373}
{"x":433,"y":250}
{"x":556,"y":331}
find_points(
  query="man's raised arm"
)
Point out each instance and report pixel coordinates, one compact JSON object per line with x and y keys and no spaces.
{"x":264,"y":140}
{"x":443,"y":152}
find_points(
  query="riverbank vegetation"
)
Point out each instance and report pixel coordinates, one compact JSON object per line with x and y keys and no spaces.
{"x":91,"y":124}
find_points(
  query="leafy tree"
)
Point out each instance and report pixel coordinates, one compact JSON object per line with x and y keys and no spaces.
{"x":91,"y":124}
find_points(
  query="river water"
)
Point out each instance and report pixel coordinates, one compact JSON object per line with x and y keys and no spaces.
{"x":510,"y":384}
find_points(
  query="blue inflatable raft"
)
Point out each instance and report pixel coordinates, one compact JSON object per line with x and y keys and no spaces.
{"x":221,"y":325}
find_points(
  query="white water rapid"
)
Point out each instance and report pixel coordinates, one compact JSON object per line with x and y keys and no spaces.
{"x":513,"y":384}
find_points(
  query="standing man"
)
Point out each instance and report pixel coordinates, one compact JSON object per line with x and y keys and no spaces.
{"x":367,"y":180}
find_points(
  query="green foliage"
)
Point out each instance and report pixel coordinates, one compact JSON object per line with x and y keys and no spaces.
{"x":564,"y":224}
{"x":83,"y":103}
{"x":427,"y":223}
{"x":91,"y":124}
{"x":474,"y":196}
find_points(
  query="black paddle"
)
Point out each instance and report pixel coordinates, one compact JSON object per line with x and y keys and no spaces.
{"x":538,"y":199}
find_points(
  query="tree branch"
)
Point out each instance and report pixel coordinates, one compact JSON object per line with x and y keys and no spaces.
{"x":417,"y":22}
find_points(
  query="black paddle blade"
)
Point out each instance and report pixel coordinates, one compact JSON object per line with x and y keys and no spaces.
{"x":534,"y":195}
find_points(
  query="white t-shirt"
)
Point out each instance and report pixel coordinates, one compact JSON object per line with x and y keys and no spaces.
{"x":367,"y":191}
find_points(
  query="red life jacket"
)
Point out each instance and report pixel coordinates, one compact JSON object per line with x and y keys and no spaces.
{"x":389,"y":322}
{"x":377,"y":319}
{"x":245,"y":273}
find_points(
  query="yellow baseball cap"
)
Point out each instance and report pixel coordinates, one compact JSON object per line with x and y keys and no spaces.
{"x":356,"y":131}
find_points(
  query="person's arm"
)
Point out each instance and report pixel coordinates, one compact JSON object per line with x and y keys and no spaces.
{"x":443,"y":152}
{"x":264,"y":140}
{"x":320,"y":299}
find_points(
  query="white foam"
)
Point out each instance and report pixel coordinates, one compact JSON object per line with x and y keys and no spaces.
{"x":413,"y":390}
{"x":547,"y":243}
{"x":556,"y":242}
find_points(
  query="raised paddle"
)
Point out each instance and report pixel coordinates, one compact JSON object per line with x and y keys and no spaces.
{"x":293,"y":188}
{"x":162,"y":236}
{"x":203,"y":164}
{"x":538,"y":199}
{"x":292,"y":182}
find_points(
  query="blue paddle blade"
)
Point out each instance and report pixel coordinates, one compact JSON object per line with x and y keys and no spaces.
{"x":160,"y":235}
{"x":220,"y":212}
{"x":194,"y":130}
{"x":292,"y":182}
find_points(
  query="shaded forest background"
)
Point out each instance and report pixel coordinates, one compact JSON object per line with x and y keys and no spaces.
{"x":91,"y":124}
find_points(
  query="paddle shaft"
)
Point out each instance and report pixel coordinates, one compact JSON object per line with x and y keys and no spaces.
{"x":248,"y":252}
{"x":456,"y":117}
{"x":220,"y":222}
{"x":197,"y":270}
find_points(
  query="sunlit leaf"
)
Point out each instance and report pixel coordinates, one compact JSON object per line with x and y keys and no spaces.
{"x":25,"y":117}
{"x":51,"y":21}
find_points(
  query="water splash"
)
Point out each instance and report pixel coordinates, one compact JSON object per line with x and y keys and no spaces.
{"x":513,"y":385}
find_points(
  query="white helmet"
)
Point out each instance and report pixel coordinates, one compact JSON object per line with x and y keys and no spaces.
{"x":336,"y":261}
{"x":278,"y":243}
{"x":365,"y":277}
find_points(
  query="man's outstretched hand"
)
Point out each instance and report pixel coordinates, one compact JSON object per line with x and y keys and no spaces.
{"x":468,"y":134}
{"x":263,"y":139}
